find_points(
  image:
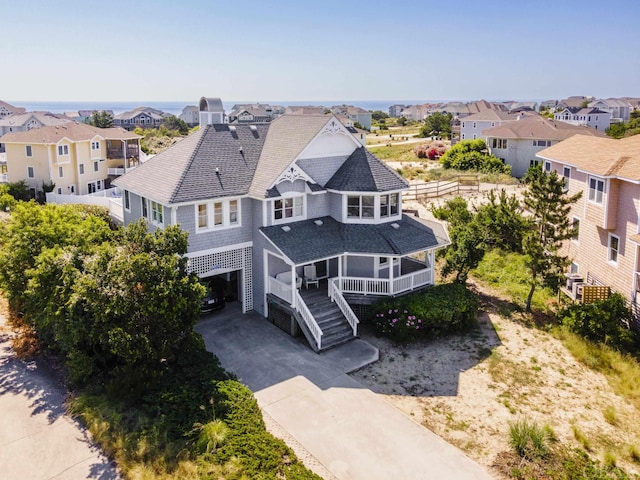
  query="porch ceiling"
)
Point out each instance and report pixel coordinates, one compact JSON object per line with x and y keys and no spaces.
{"x":306,"y":241}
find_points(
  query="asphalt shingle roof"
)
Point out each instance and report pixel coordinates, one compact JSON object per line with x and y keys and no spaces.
{"x":363,"y":172}
{"x":74,"y":131}
{"x":306,"y":241}
{"x":541,"y":128}
{"x":187,"y":171}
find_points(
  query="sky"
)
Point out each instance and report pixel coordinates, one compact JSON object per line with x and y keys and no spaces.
{"x":261,"y":50}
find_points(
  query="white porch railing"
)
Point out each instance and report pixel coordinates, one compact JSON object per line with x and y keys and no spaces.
{"x":336,"y":296}
{"x":309,"y":321}
{"x":280,"y":289}
{"x":385,"y":286}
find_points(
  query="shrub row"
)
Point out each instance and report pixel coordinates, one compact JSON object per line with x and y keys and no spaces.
{"x":434,"y":312}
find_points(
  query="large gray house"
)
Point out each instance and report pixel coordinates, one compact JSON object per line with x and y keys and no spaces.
{"x":262,"y":202}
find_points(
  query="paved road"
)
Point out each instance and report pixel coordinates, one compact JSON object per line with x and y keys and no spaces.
{"x":349,"y":430}
{"x":38,"y":440}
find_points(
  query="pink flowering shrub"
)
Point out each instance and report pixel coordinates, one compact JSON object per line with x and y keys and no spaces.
{"x":437,"y":311}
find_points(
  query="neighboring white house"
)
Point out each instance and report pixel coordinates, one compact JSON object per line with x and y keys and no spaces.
{"x":190,"y":115}
{"x":471,"y":127}
{"x":415,"y":112}
{"x":619,"y":109}
{"x":357,"y":114}
{"x":591,"y":117}
{"x":396,"y":110}
{"x":517,"y":143}
{"x":143,"y":117}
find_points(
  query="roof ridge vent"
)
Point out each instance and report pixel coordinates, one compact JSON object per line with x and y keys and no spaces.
{"x":232,"y":128}
{"x":253,"y":128}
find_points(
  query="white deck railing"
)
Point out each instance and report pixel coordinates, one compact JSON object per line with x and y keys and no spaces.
{"x":336,"y":296}
{"x":384,"y":286}
{"x":280,"y":289}
{"x":309,"y":321}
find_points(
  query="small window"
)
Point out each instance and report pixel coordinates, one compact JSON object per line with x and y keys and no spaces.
{"x":95,"y":145}
{"x":29,"y":151}
{"x":72,"y":189}
{"x":63,"y":149}
{"x":389,"y":205}
{"x":574,"y":268}
{"x":203,"y":220}
{"x":614,"y":245}
{"x":566,"y":173}
{"x":233,"y":212}
{"x":81,"y":168}
{"x":547,"y":167}
{"x":534,"y":163}
{"x":60,"y":172}
{"x":30,"y":172}
{"x":59,"y":190}
{"x":156,"y":213}
{"x":596,"y":190}
{"x":96,"y":166}
{"x":145,"y":211}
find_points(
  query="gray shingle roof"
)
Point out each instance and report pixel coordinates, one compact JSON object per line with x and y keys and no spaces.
{"x":363,"y":172}
{"x":187,"y":171}
{"x":306,"y":241}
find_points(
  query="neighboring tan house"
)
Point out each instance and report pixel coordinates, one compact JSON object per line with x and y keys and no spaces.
{"x":591,"y":117}
{"x":357,"y":114}
{"x":619,"y":109}
{"x":8,"y":109}
{"x":517,"y":143}
{"x":21,"y":122}
{"x":268,"y":205}
{"x":78,"y":158}
{"x":606,"y":248}
{"x":143,"y":117}
{"x":471,"y":127}
{"x":190,"y":115}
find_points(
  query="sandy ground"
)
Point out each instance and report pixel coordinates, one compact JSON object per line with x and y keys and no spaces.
{"x":468,"y":389}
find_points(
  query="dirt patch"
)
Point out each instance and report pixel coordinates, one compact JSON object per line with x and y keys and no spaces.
{"x":469,"y":388}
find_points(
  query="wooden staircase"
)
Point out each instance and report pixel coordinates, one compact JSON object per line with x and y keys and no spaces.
{"x":335,"y":327}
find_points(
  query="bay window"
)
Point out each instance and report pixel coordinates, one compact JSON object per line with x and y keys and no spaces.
{"x":360,"y":206}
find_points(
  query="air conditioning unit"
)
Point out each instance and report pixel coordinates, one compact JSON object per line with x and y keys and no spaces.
{"x":573,"y":278}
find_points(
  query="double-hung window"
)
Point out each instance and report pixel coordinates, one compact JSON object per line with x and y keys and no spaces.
{"x":156,"y":213}
{"x":360,"y":206}
{"x":388,"y":205}
{"x":29,"y":151}
{"x":285,"y":208}
{"x":566,"y":173}
{"x":145,"y":211}
{"x":203,"y":216}
{"x":614,"y":246}
{"x":596,"y":189}
{"x":218,"y":214}
{"x":63,"y":149}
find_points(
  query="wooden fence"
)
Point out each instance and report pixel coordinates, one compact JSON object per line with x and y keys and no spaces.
{"x":462,"y":183}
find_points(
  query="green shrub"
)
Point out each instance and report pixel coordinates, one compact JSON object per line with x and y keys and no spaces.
{"x":528,"y":439}
{"x":434,"y":312}
{"x":473,"y":155}
{"x":605,"y":321}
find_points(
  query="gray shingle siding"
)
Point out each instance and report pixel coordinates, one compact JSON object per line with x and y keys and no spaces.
{"x":359,"y":266}
{"x":318,"y":205}
{"x":335,"y":206}
{"x":322,"y":169}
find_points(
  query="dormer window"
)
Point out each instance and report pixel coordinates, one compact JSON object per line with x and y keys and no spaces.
{"x":288,"y":208}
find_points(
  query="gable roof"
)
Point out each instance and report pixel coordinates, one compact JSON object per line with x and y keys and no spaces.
{"x":306,"y":241}
{"x":45,"y":118}
{"x":11,"y":108}
{"x":288,"y":136}
{"x":74,"y":131}
{"x":537,"y":127}
{"x":363,"y":172}
{"x":491,"y":116}
{"x":186,"y":172}
{"x":600,"y":156}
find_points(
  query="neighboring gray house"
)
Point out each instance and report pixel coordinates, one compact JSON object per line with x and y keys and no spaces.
{"x":21,"y":122}
{"x":471,"y":127}
{"x":263,"y":203}
{"x":190,"y":115}
{"x":143,"y":117}
{"x":357,"y":114}
{"x":619,"y":109}
{"x":591,"y":117}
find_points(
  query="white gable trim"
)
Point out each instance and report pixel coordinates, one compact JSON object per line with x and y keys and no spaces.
{"x":292,"y":173}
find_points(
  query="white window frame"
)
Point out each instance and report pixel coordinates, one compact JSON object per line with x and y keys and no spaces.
{"x":218,"y":214}
{"x":127,"y":200}
{"x":145,"y":208}
{"x":389,"y":204}
{"x":566,"y":174}
{"x":157,"y":213}
{"x":596,"y":195}
{"x":31,"y":172}
{"x":547,"y":166}
{"x":613,"y":253}
{"x":297,"y":208}
{"x":63,"y":151}
{"x":361,"y":207}
{"x":28,"y":150}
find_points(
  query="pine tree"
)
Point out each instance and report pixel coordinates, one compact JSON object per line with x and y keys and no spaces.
{"x":549,"y":205}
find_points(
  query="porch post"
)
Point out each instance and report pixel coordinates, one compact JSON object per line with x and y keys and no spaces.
{"x":340,"y":259}
{"x":391,"y":274}
{"x":293,"y":286}
{"x":124,"y":154}
{"x":429,"y":257}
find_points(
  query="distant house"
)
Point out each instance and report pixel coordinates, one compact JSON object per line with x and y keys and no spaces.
{"x":190,"y":115}
{"x":517,"y":143}
{"x":471,"y":127}
{"x":255,"y":113}
{"x":415,"y":112}
{"x":591,"y":117}
{"x":305,"y":110}
{"x":301,"y":222}
{"x":78,"y":158}
{"x":619,"y":109}
{"x":357,"y":114}
{"x":396,"y":110}
{"x":573,"y":102}
{"x":516,"y":107}
{"x":606,"y":247}
{"x":143,"y":117}
{"x":7,"y":109}
{"x":21,"y":122}
{"x":84,"y":116}
{"x":361,"y":135}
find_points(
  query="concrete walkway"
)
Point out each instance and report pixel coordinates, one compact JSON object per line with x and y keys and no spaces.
{"x":349,"y":430}
{"x":37,"y":439}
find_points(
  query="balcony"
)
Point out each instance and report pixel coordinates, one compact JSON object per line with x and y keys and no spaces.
{"x":118,"y":153}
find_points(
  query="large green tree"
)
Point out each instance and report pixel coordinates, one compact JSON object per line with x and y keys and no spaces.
{"x":101,"y":119}
{"x":437,"y":124}
{"x":174,"y":123}
{"x":549,"y":206}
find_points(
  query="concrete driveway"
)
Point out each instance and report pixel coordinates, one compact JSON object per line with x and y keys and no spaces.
{"x":37,"y":439}
{"x":351,"y":432}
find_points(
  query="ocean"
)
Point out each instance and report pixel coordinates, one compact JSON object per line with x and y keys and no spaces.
{"x":175,"y":108}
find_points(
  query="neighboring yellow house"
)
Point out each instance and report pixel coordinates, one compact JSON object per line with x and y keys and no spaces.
{"x":78,"y":158}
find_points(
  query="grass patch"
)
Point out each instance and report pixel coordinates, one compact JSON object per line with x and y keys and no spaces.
{"x":395,"y":153}
{"x":634,"y":453}
{"x":581,"y":438}
{"x":610,"y":415}
{"x":528,"y":439}
{"x":507,"y":273}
